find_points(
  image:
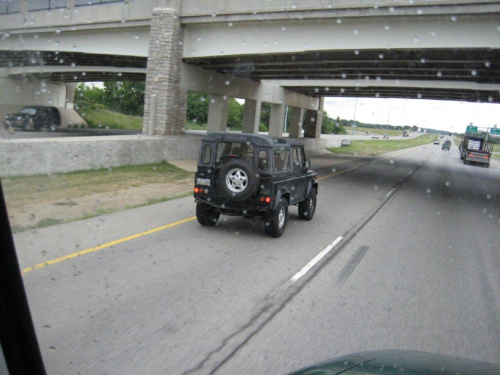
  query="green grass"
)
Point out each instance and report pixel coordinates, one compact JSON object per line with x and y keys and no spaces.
{"x":194,"y":126}
{"x":65,"y":186}
{"x":51,"y":221}
{"x":375,"y":147}
{"x":106,"y":119}
{"x":47,"y":222}
{"x":379,"y":131}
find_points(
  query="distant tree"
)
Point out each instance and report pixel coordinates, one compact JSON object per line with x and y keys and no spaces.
{"x":88,"y":97}
{"x":197,"y":107}
{"x":331,"y":126}
{"x":235,"y":116}
{"x":125,"y":97}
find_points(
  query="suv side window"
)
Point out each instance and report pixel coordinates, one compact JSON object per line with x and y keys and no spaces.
{"x":206,"y":154}
{"x":298,"y":160}
{"x":281,"y":160}
{"x":263,"y":160}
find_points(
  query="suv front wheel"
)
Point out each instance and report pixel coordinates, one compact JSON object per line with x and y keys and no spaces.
{"x":276,"y":220}
{"x":307,"y":208}
{"x":206,"y":214}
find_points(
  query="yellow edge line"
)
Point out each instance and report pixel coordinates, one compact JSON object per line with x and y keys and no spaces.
{"x":108,"y":244}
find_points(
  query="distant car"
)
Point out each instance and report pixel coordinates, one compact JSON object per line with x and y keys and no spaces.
{"x":386,"y":136}
{"x":34,"y":118}
{"x":446,"y":145}
{"x":375,"y":136}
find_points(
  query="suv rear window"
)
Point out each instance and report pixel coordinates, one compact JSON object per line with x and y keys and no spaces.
{"x":243,"y":150}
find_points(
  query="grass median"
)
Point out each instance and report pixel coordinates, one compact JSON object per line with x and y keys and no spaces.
{"x":376,"y":147}
{"x":44,"y":200}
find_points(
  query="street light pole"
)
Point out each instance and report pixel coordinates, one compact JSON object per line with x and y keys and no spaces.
{"x":388,"y":117}
{"x":354,"y":121}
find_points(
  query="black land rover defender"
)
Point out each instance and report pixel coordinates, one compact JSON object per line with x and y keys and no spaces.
{"x":253,"y":175}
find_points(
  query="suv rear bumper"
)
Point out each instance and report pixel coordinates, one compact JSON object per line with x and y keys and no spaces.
{"x":230,"y":207}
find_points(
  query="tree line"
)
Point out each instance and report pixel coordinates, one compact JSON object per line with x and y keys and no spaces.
{"x":128,"y":98}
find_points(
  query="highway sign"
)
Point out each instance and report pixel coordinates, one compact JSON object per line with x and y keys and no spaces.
{"x":472,"y":129}
{"x":495,"y":131}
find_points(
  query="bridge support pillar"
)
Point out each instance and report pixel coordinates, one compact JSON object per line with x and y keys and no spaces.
{"x":313,"y":121}
{"x":218,"y":111}
{"x":251,"y":116}
{"x":70,"y":95}
{"x":296,"y":115}
{"x":164,"y":75}
{"x":277,"y":120}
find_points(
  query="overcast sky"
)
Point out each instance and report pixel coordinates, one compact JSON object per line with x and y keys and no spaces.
{"x":433,"y":114}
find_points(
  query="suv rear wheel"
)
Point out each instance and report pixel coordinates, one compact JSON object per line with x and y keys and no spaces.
{"x":206,"y":214}
{"x":276,"y":220}
{"x":307,"y":208}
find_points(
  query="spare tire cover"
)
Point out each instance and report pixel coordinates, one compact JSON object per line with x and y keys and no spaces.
{"x":238,"y":179}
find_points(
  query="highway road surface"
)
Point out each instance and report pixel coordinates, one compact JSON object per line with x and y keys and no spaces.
{"x":403,"y":253}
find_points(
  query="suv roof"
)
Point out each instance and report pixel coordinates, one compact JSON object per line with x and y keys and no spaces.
{"x":258,"y":139}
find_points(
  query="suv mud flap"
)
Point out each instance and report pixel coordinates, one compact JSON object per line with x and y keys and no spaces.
{"x":276,"y":201}
{"x":309,"y":186}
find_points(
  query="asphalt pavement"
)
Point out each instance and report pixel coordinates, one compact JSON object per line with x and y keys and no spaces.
{"x":410,"y":244}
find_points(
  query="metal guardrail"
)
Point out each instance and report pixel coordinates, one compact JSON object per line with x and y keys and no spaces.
{"x":16,"y":6}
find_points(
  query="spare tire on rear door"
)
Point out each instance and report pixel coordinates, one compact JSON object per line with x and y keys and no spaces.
{"x":238,"y":179}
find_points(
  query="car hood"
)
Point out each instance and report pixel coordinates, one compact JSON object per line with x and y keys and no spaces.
{"x":400,"y":362}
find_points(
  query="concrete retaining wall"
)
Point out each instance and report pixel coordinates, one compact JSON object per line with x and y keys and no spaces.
{"x":58,"y":155}
{"x":44,"y":156}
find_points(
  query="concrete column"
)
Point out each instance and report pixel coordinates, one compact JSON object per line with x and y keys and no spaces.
{"x":319,"y":121}
{"x":218,"y":111}
{"x":251,"y":116}
{"x":24,"y":7}
{"x":296,"y":115}
{"x":313,"y":120}
{"x":164,"y":74}
{"x":277,"y":120}
{"x":70,"y":95}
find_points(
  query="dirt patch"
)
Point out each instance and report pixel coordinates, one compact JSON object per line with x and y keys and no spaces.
{"x":24,"y":214}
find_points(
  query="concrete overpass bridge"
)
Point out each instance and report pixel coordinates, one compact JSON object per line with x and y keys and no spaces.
{"x":285,"y":52}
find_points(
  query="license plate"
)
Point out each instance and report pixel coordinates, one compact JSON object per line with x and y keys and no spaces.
{"x":203,"y":181}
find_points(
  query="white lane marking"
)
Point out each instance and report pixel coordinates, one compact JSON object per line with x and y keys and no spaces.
{"x":391,"y":191}
{"x":315,"y":260}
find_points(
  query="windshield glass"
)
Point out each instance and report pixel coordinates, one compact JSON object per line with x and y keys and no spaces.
{"x":28,"y":111}
{"x":156,"y":233}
